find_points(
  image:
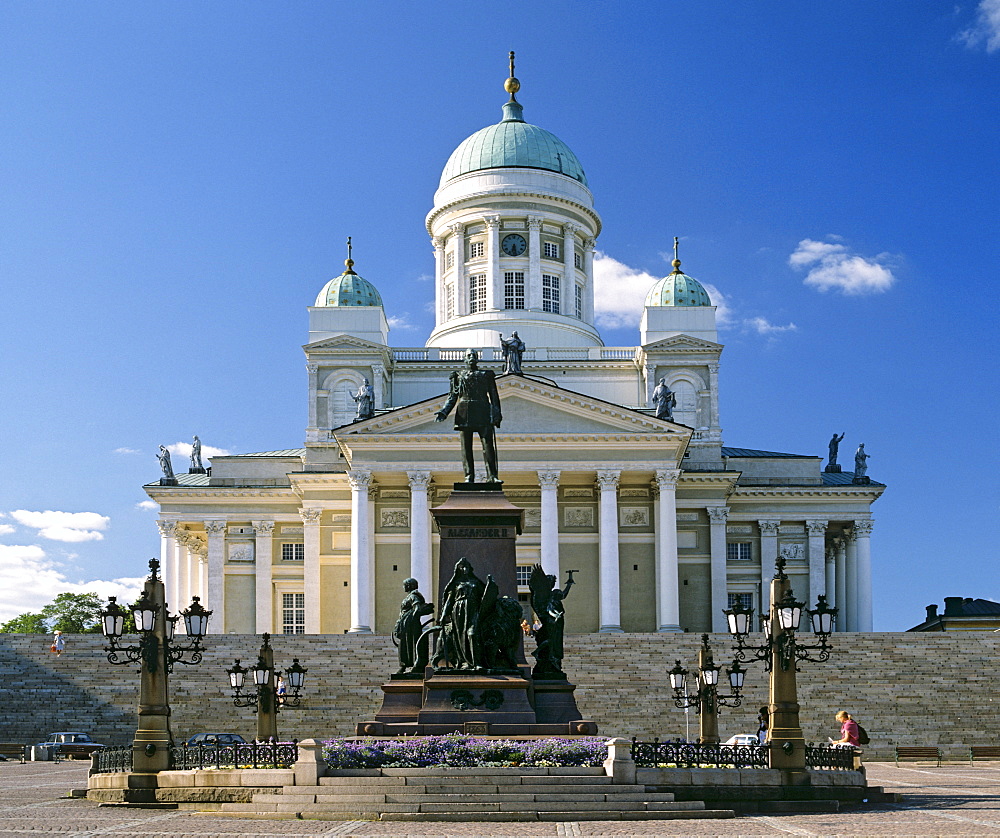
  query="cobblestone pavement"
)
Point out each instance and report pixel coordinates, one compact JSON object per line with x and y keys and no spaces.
{"x":954,"y":800}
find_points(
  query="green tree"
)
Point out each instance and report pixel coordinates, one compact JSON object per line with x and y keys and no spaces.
{"x":25,"y":624}
{"x":74,"y":613}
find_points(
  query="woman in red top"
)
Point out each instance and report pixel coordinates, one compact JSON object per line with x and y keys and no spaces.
{"x":848,"y":730}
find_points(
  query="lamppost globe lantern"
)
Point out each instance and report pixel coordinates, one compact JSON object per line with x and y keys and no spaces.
{"x":237,"y":675}
{"x":144,"y":612}
{"x":789,"y":612}
{"x":739,"y":619}
{"x":113,"y":619}
{"x":736,"y":675}
{"x":710,"y":674}
{"x":677,"y":676}
{"x":171,"y":626}
{"x":823,"y":617}
{"x":296,"y":675}
{"x":196,"y":618}
{"x":261,"y":673}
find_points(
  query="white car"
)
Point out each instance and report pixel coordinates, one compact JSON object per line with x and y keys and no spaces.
{"x":742,"y":739}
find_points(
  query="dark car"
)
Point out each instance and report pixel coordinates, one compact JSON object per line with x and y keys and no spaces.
{"x":72,"y":743}
{"x":216,"y":739}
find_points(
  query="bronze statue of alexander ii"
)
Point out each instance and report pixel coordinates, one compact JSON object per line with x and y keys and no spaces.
{"x":473,"y":395}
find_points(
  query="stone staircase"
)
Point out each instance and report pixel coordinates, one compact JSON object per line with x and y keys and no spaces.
{"x":471,"y":794}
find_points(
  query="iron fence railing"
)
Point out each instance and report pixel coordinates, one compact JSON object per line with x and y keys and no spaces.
{"x":829,"y":758}
{"x":114,"y":760}
{"x":242,"y":755}
{"x":657,"y":754}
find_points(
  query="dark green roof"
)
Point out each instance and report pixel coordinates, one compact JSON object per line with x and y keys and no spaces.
{"x":844,"y":478}
{"x":284,"y":452}
{"x":753,"y":452}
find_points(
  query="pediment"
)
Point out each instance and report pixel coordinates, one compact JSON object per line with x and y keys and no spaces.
{"x":345,"y":343}
{"x":682,"y":342}
{"x":529,"y":408}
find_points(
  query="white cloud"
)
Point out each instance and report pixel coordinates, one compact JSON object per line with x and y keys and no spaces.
{"x":183,"y":449}
{"x":30,"y":580}
{"x":64,"y":526}
{"x":147,"y":504}
{"x":5,"y":529}
{"x":401,"y":322}
{"x":762,"y":326}
{"x":619,"y":292}
{"x":833,"y":266}
{"x":127,"y":451}
{"x":725,"y":316}
{"x":986,"y":29}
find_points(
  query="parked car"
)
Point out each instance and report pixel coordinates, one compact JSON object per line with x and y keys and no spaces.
{"x":742,"y":739}
{"x":72,"y":743}
{"x":216,"y":739}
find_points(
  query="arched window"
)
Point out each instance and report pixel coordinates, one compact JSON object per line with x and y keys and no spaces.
{"x":341,"y":405}
{"x":686,"y":409}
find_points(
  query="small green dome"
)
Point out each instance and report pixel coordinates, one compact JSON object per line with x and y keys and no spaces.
{"x":513,"y":143}
{"x":678,"y":289}
{"x":349,"y":289}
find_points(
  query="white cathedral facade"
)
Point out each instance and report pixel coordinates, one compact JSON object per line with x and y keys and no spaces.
{"x":665,"y":524}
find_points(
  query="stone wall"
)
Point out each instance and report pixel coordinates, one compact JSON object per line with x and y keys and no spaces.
{"x":920,"y":688}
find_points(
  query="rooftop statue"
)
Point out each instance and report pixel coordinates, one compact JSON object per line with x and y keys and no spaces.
{"x":196,"y":455}
{"x":547,"y":602}
{"x":365,"y":397}
{"x":473,"y":395}
{"x":165,"y":464}
{"x":860,"y":462}
{"x":834,"y":447}
{"x":513,"y":350}
{"x":664,"y":400}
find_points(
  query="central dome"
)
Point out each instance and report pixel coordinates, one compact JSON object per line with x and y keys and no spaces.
{"x":515,"y":144}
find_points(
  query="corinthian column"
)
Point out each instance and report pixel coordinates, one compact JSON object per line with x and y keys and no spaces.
{"x":533,"y":292}
{"x":667,"y":576}
{"x":494,"y":282}
{"x":216,"y":575}
{"x":310,"y":567}
{"x":768,"y":559}
{"x":420,"y":529}
{"x":439,"y":281}
{"x":717,"y":516}
{"x":862,"y":532}
{"x":840,"y":546}
{"x":168,"y":562}
{"x":851,"y":561}
{"x":816,"y":531}
{"x":263,"y":557}
{"x":607,"y":481}
{"x":361,"y":571}
{"x":549,"y":481}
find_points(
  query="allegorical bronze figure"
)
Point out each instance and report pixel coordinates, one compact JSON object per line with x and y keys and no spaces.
{"x":547,"y":602}
{"x":473,"y":395}
{"x":408,"y":634}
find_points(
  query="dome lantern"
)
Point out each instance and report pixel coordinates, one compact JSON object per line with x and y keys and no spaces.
{"x":349,"y":289}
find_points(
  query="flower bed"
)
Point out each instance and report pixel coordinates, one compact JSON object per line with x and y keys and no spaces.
{"x":461,"y":751}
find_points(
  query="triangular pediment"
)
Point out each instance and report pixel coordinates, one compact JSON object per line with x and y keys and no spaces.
{"x":345,"y":343}
{"x":682,"y":342}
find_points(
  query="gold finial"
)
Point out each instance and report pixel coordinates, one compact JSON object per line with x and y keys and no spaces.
{"x":677,"y":262}
{"x":349,"y":262}
{"x":512,"y":85}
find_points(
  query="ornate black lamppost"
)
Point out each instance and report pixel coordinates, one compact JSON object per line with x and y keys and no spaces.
{"x":266,"y":700}
{"x":156,"y":654}
{"x":781,"y":651}
{"x":707,"y":698}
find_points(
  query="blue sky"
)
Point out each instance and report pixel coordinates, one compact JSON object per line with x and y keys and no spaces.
{"x":179,"y":180}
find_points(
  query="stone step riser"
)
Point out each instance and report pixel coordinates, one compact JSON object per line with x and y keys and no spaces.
{"x":415,"y":799}
{"x":464,"y":780}
{"x":453,"y":808}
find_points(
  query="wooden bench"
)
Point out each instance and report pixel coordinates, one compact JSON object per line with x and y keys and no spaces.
{"x":11,"y":749}
{"x":984,"y":752}
{"x":918,"y":752}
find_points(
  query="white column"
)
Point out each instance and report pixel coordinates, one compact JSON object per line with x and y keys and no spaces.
{"x":840,"y":546}
{"x":494,"y":281}
{"x":862,"y":532}
{"x":851,"y":600}
{"x":533,"y":286}
{"x":610,"y":610}
{"x":588,"y":286}
{"x":311,"y":568}
{"x":184,"y":591}
{"x":378,"y":385}
{"x":372,"y":497}
{"x":768,"y":558}
{"x":717,"y":516}
{"x":667,"y":576}
{"x":831,"y":576}
{"x":816,"y":531}
{"x":168,"y":565}
{"x":713,"y":395}
{"x":420,"y":530}
{"x":263,"y":550}
{"x":438,"y":243}
{"x":216,"y":587}
{"x":549,"y":481}
{"x":313,"y":370}
{"x":361,"y":618}
{"x":201,"y":551}
{"x":458,"y":273}
{"x":569,"y":264}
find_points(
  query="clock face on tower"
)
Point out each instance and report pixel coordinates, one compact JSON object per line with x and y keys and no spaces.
{"x":513,"y":245}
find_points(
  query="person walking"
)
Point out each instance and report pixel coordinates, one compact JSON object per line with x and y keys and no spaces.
{"x":58,"y":643}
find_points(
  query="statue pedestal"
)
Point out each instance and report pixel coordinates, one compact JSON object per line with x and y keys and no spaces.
{"x":862,"y":481}
{"x":833,"y":468}
{"x":495,"y":699}
{"x":197,"y":471}
{"x":168,"y":481}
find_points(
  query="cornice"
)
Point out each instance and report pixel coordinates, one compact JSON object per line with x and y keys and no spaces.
{"x":873,"y":492}
{"x":222,"y":492}
{"x":437,"y":212}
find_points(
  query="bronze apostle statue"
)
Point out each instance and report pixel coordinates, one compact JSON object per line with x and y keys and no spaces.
{"x":473,"y":395}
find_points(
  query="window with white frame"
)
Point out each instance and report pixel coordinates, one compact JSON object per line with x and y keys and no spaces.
{"x":578,"y":301}
{"x":513,"y":289}
{"x":577,"y":260}
{"x":477,"y":250}
{"x":449,"y":260}
{"x":738,"y":551}
{"x":550,"y":293}
{"x":550,"y":250}
{"x":744,"y":600}
{"x":477,"y":293}
{"x":449,"y":301}
{"x":293,"y":613}
{"x":294,"y":552}
{"x":523,"y":575}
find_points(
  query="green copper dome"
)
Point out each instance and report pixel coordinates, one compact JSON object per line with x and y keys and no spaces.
{"x":349,"y":289}
{"x":513,"y":143}
{"x":678,"y":289}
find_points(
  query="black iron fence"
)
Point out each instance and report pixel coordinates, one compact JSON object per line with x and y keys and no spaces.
{"x":830,"y":758}
{"x":657,"y":754}
{"x":208,"y":755}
